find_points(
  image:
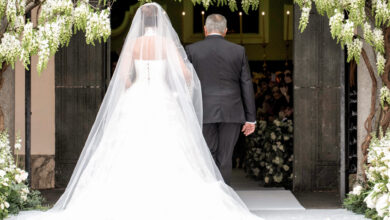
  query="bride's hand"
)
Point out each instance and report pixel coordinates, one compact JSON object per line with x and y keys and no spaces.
{"x":128,"y":83}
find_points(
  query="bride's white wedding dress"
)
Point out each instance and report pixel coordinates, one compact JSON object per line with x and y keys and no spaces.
{"x":150,"y":160}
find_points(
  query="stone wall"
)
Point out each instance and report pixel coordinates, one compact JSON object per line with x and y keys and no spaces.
{"x":364,"y":100}
{"x":7,"y":102}
{"x":42,"y":168}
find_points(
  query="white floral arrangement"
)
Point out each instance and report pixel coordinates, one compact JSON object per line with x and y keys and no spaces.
{"x":15,"y":194}
{"x":269,"y":156}
{"x":378,"y":174}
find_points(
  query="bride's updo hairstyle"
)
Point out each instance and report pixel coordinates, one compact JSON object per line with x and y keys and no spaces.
{"x":149,"y":13}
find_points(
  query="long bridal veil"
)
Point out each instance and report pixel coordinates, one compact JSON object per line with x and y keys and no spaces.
{"x":151,"y":37}
{"x":127,"y":134}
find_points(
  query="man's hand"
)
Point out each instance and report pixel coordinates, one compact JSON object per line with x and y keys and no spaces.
{"x":248,"y":128}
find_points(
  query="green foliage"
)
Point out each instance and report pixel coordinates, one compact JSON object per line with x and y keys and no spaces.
{"x":355,"y":203}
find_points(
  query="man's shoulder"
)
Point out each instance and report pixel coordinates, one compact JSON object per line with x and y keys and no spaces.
{"x":195,"y":45}
{"x":235,"y":46}
{"x":224,"y":42}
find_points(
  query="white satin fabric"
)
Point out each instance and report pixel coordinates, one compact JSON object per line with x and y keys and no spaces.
{"x":146,"y":158}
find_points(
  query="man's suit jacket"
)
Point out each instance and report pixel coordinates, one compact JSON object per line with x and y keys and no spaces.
{"x":227,"y":88}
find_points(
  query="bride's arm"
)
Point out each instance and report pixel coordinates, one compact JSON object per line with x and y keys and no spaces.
{"x":125,"y":64}
{"x":186,"y":72}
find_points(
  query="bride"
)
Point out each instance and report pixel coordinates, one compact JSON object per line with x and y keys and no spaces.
{"x":145,"y":157}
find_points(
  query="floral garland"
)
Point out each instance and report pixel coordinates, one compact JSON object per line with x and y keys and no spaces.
{"x":15,"y":195}
{"x":269,"y":156}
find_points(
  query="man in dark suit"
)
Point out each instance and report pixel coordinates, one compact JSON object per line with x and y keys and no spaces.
{"x":227,"y":90}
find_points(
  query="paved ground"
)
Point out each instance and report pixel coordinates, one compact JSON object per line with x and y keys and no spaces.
{"x":310,"y":214}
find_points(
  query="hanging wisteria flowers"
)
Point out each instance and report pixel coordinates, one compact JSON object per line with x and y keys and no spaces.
{"x":57,"y":22}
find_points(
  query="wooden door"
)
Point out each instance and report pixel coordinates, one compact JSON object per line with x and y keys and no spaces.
{"x":319,"y":107}
{"x":80,"y":82}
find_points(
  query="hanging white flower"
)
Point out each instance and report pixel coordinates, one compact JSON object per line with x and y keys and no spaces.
{"x":378,"y":40}
{"x":98,"y":26}
{"x":9,"y":49}
{"x":385,"y":98}
{"x":380,"y":63}
{"x":354,"y":50}
{"x":336,"y":23}
{"x":305,"y":17}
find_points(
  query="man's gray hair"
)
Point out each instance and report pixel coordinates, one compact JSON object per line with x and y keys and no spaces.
{"x":216,"y":23}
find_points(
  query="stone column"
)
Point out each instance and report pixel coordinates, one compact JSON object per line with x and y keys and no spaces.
{"x":364,"y":101}
{"x":7,"y":102}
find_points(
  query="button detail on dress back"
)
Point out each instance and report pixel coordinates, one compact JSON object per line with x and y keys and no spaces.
{"x":148,"y":69}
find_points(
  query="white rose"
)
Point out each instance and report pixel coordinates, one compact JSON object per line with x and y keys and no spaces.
{"x":266,"y":179}
{"x":357,"y":190}
{"x":277,"y":123}
{"x":286,"y":168}
{"x":286,"y":138}
{"x":278,"y":178}
{"x":273,"y":136}
{"x":274,"y":147}
{"x":256,"y":171}
{"x":2,"y":206}
{"x":6,"y":204}
{"x":18,"y":178}
{"x":26,"y":190}
{"x":23,"y":197}
{"x":2,"y":173}
{"x":18,"y":146}
{"x":370,"y":200}
{"x":23,"y":175}
{"x":382,"y":204}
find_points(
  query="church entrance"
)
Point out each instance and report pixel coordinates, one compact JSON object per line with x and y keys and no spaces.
{"x":299,"y":81}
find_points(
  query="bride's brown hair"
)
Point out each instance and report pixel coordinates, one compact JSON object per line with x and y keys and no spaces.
{"x":149,"y":13}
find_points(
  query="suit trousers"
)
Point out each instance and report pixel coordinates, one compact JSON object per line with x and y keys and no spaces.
{"x":221,"y":139}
